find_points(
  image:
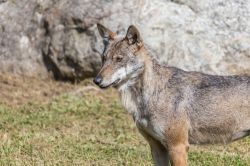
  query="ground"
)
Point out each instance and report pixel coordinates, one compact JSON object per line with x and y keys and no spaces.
{"x":43,"y":122}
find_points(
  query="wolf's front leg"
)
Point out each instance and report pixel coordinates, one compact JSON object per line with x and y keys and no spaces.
{"x":159,"y":154}
{"x":158,"y":151}
{"x":178,"y":155}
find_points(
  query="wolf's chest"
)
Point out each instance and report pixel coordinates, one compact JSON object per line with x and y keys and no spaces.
{"x":133,"y":104}
{"x":151,"y":128}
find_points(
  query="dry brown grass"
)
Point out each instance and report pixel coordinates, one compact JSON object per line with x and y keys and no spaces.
{"x":17,"y":90}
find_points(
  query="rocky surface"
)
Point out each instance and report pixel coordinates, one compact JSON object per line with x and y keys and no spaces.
{"x":59,"y":37}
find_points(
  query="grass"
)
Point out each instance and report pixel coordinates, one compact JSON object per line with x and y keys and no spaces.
{"x":89,"y":127}
{"x":70,"y":130}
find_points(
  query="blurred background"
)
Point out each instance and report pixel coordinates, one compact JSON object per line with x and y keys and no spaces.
{"x":50,"y":111}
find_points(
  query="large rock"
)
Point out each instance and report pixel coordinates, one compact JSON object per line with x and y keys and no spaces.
{"x":38,"y":37}
{"x":20,"y":36}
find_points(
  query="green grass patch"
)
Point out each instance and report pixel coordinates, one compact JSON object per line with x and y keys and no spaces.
{"x":86,"y":130}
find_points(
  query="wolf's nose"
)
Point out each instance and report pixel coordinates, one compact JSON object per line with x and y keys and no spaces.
{"x":98,"y":80}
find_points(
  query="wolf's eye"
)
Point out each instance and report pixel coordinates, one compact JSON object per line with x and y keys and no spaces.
{"x":118,"y":58}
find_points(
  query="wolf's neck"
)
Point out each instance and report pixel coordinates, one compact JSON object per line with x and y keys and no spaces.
{"x":135,"y":96}
{"x":130,"y":101}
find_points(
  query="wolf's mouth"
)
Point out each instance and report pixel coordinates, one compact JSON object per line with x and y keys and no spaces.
{"x":115,"y":83}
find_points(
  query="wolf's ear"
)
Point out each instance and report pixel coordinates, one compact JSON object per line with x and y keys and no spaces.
{"x":105,"y":33}
{"x":133,"y":36}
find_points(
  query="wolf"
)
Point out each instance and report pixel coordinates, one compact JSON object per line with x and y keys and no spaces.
{"x":173,"y":108}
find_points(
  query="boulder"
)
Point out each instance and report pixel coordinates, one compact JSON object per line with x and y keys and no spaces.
{"x":60,"y":39}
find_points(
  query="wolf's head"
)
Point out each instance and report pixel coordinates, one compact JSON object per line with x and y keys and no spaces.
{"x":121,"y":64}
